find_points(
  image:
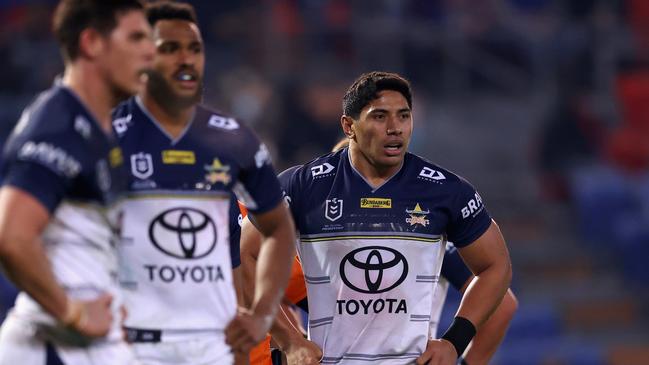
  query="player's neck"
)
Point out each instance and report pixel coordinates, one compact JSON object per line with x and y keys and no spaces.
{"x":172,"y":120}
{"x":93,"y":92}
{"x":373,"y":174}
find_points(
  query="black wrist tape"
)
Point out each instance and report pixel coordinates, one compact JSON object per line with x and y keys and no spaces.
{"x":460,"y":333}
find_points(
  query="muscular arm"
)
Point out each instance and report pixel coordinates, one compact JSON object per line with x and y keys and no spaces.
{"x":491,"y":333}
{"x":269,"y":276}
{"x":274,"y":260}
{"x":22,"y":220}
{"x":488,"y":259}
{"x":298,"y":350}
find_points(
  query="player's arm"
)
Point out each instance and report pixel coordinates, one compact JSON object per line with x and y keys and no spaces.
{"x":290,"y":340}
{"x":272,"y":271}
{"x":488,"y":259}
{"x":22,"y":221}
{"x":491,"y":333}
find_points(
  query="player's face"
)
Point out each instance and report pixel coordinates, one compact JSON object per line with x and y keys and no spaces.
{"x":128,"y":53}
{"x":179,"y":62}
{"x":383,"y":130}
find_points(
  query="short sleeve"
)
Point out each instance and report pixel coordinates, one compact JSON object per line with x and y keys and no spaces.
{"x":454,"y":270}
{"x":37,"y":180}
{"x":287,"y":181}
{"x":469,"y":218}
{"x":258,"y":188}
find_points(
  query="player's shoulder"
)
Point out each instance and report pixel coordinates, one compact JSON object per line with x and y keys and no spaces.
{"x":213,"y":121}
{"x":425,"y":172}
{"x":319,"y":170}
{"x":54,"y":111}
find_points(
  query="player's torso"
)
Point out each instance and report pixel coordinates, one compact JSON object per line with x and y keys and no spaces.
{"x":371,"y":259}
{"x":177,"y":271}
{"x":58,"y":132}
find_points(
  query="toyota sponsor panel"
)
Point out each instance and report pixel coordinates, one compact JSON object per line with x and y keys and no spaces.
{"x":180,"y":242}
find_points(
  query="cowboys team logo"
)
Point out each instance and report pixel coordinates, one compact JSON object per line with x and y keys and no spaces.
{"x":417,"y":216}
{"x":333,"y":209}
{"x":142,"y":165}
{"x":217,"y":172}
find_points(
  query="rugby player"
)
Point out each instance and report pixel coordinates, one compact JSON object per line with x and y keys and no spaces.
{"x":184,"y":162}
{"x":61,"y":169}
{"x":373,"y":222}
{"x":299,"y":350}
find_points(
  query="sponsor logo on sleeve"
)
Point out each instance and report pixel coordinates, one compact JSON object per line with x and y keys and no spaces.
{"x":323,"y":169}
{"x":223,"y":123}
{"x":142,"y":165}
{"x":121,"y":124}
{"x":376,"y":203}
{"x":287,"y":198}
{"x":333,"y":209}
{"x":417,"y":216}
{"x":262,"y":157}
{"x":82,"y":126}
{"x":178,"y":157}
{"x":473,"y":207}
{"x":431,"y":175}
{"x":49,"y":155}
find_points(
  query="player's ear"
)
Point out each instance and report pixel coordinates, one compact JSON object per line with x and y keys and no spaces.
{"x":347,"y":123}
{"x":91,"y":43}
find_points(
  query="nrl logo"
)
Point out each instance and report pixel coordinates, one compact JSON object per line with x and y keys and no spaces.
{"x":333,"y":209}
{"x":142,"y":165}
{"x":217,"y":172}
{"x":417,"y":216}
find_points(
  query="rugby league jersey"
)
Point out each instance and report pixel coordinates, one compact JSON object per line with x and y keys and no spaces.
{"x":372,"y":255}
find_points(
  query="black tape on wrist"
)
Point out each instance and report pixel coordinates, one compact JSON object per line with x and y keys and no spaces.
{"x":460,"y":333}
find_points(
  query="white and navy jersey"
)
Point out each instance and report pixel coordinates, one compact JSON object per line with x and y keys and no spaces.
{"x":454,"y":272}
{"x":372,"y":256}
{"x":176,"y":250}
{"x":60,"y":155}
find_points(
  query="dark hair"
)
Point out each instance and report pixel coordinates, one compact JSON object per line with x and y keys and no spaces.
{"x":367,"y":87}
{"x":74,"y":16}
{"x":169,"y":10}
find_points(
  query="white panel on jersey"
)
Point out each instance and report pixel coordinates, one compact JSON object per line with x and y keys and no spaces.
{"x":364,"y":288}
{"x":176,"y":268}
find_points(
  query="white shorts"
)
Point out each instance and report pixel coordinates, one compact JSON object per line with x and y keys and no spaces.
{"x":22,"y":343}
{"x":191,"y":350}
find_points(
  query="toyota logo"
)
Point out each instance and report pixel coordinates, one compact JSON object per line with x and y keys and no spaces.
{"x":373,"y":269}
{"x":185,"y":233}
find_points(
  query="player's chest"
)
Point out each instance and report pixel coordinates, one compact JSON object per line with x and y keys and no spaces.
{"x":336,"y":211}
{"x":180,"y":167}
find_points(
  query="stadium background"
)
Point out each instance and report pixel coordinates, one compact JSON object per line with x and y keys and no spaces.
{"x":542,"y":104}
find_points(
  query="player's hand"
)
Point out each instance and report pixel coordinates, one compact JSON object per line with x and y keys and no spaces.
{"x":302,"y":352}
{"x":241,"y":358}
{"x":246,"y":330}
{"x":92,"y":318}
{"x":438,"y":352}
